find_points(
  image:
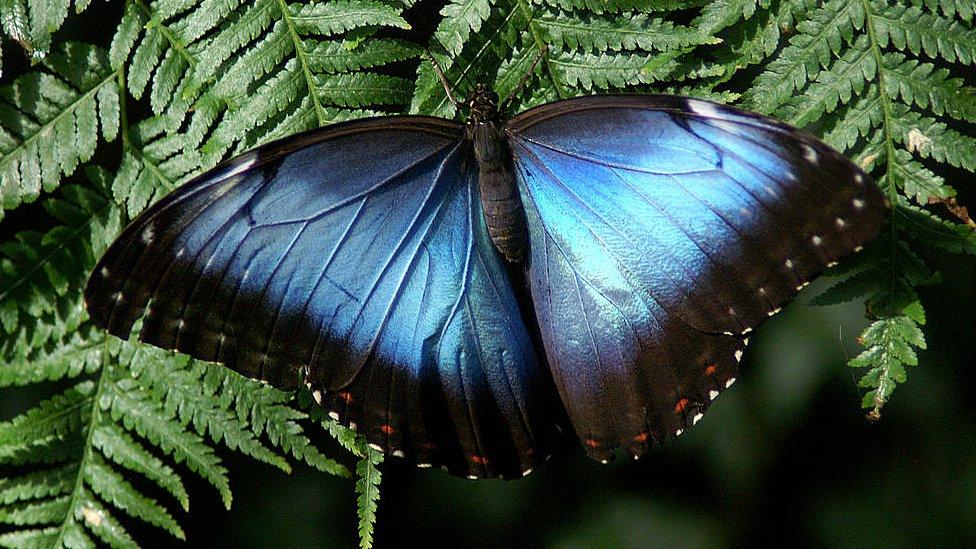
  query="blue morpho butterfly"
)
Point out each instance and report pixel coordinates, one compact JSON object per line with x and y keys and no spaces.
{"x":457,"y":291}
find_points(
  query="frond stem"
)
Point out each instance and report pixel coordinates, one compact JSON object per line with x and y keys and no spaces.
{"x":177,"y":46}
{"x":127,"y":143}
{"x":300,"y":54}
{"x":891,"y":187}
{"x":87,"y":448}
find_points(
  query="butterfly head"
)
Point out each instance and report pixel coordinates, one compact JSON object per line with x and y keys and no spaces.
{"x":482,"y":106}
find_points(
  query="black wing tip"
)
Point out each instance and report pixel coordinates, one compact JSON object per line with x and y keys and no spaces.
{"x":102,"y":302}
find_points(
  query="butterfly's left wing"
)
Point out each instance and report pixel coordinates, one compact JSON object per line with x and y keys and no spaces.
{"x":662,"y":230}
{"x":353,"y":259}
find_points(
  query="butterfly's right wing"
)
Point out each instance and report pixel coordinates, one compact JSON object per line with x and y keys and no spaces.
{"x":353,"y":259}
{"x":662,"y":230}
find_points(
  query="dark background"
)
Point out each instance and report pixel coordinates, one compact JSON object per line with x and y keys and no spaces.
{"x":785,"y":455}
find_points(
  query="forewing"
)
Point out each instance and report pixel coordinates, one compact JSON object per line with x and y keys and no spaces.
{"x":662,"y":230}
{"x":355,"y":260}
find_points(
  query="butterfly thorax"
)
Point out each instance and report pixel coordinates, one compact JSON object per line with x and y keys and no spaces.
{"x":500,"y":201}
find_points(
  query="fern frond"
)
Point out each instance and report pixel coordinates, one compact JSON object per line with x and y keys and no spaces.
{"x":845,"y":79}
{"x":32,"y":513}
{"x":158,"y":371}
{"x":606,"y":71}
{"x":148,"y":419}
{"x":120,"y":447}
{"x":889,"y":349}
{"x":30,"y":538}
{"x":368,"y":489}
{"x":46,"y":424}
{"x":929,"y":138}
{"x":482,"y":54}
{"x":38,"y":270}
{"x":585,"y":51}
{"x":353,"y":55}
{"x":928,"y":87}
{"x":917,"y":181}
{"x":817,"y":41}
{"x":601,"y":7}
{"x":25,"y":360}
{"x":49,"y":121}
{"x":856,"y":122}
{"x":254,"y":69}
{"x":89,"y":512}
{"x":853,"y":64}
{"x":928,"y":230}
{"x":31,"y":23}
{"x":153,"y":163}
{"x":639,"y":31}
{"x":961,"y":9}
{"x":460,"y":19}
{"x":722,"y":14}
{"x":909,"y":28}
{"x":113,"y":488}
{"x":43,"y":483}
{"x":267,"y":411}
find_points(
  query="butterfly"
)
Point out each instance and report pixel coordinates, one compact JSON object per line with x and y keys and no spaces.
{"x":458,"y":291}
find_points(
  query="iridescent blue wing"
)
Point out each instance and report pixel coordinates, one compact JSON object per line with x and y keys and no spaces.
{"x":662,"y":230}
{"x":353,"y":259}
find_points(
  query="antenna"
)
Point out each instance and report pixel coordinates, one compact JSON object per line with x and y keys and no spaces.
{"x":440,"y":72}
{"x":444,"y":82}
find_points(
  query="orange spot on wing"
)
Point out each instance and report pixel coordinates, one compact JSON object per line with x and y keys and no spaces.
{"x":346,"y":397}
{"x":642,"y":437}
{"x":387,"y":429}
{"x":680,"y":406}
{"x":710,"y":370}
{"x":478,"y":460}
{"x":592,"y":443}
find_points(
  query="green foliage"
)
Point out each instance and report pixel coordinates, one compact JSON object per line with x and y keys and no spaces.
{"x":124,"y":425}
{"x":881,"y":80}
{"x":891,"y":344}
{"x":31,"y":24}
{"x":49,"y":121}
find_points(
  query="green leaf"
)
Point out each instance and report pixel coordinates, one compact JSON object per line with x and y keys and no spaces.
{"x":817,"y":41}
{"x":460,"y":19}
{"x":51,"y":421}
{"x":95,"y":517}
{"x":29,"y":538}
{"x":38,"y":270}
{"x":113,"y":488}
{"x":910,"y":28}
{"x":637,"y":32}
{"x":39,"y":484}
{"x":49,"y":121}
{"x":31,"y":24}
{"x":929,"y":230}
{"x":368,"y":489}
{"x":32,"y":513}
{"x":337,"y":16}
{"x":890,"y":345}
{"x":123,"y":449}
{"x":148,"y":419}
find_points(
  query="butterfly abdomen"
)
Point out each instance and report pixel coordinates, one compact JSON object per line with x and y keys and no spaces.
{"x":500,"y":200}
